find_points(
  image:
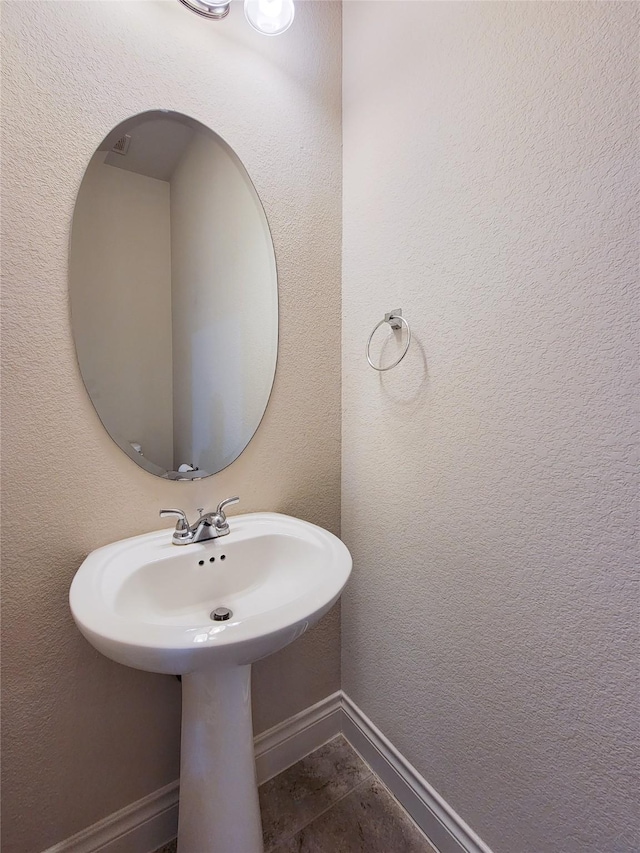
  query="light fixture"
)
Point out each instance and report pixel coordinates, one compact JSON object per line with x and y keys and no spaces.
{"x":208,"y":8}
{"x":269,"y":17}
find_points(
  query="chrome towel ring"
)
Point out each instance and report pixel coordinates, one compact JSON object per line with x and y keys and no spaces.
{"x":396,"y":321}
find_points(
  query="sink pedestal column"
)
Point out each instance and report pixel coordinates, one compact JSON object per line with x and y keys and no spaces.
{"x":219,"y":809}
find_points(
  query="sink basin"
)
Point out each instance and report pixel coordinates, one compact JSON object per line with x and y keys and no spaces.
{"x":147,"y":603}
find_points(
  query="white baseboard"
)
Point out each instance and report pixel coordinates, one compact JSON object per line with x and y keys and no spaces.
{"x":145,"y":825}
{"x":288,"y":742}
{"x":148,"y":824}
{"x":440,"y":823}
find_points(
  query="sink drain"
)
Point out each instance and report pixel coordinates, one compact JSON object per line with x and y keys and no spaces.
{"x":221,"y":614}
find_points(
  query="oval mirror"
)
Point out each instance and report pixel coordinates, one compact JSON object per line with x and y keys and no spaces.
{"x":174,"y":295}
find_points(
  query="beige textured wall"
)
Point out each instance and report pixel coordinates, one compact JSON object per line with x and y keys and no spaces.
{"x":82,"y":736}
{"x":491,"y":625}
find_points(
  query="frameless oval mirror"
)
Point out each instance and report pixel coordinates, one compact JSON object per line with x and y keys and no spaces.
{"x":174,"y":295}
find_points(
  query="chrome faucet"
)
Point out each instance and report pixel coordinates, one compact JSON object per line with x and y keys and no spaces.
{"x":210,"y":525}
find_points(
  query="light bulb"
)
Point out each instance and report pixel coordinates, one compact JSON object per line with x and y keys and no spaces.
{"x":269,"y":17}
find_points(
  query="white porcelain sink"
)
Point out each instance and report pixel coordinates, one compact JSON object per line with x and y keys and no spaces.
{"x":146,"y":603}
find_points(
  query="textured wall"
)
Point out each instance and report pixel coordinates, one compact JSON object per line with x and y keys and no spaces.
{"x":82,"y":736}
{"x":491,"y":626}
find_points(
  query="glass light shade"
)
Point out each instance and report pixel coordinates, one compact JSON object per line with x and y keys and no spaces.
{"x":269,"y":17}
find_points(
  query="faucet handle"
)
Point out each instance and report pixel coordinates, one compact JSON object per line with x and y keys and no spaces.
{"x":182,"y":523}
{"x":224,"y":503}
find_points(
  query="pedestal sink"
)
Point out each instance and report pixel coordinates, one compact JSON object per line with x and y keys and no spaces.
{"x":149,"y":604}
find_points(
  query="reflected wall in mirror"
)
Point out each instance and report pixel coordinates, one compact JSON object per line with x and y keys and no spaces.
{"x":174,"y":296}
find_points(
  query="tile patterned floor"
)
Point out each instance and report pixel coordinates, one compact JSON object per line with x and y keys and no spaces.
{"x":331,"y":802}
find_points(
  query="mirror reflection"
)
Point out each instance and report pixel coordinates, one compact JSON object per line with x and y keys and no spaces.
{"x":173,"y":295}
